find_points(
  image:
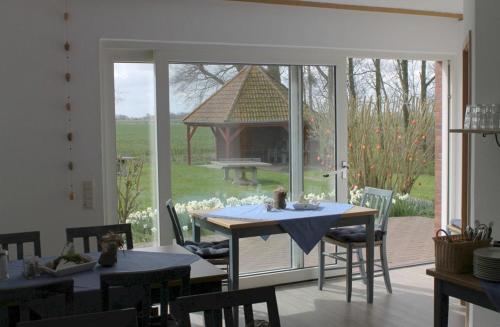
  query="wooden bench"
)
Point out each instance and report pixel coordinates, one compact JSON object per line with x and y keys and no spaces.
{"x":240,"y":167}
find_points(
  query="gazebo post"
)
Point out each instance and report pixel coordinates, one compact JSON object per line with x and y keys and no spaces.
{"x":228,"y":141}
{"x":190,"y":134}
{"x":188,"y":144}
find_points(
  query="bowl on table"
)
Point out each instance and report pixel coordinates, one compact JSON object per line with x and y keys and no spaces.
{"x":67,"y":267}
{"x":305,"y":206}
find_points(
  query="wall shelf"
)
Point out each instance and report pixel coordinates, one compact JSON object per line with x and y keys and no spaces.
{"x":484,"y":132}
{"x":475,"y":131}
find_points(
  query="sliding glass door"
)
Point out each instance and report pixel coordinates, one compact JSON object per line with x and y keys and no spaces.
{"x":135,"y":125}
{"x":216,"y":135}
{"x":229,"y":132}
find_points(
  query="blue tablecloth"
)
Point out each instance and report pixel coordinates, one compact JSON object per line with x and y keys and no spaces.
{"x":87,"y":284}
{"x":129,"y":261}
{"x":493,"y":291}
{"x":306,"y":227}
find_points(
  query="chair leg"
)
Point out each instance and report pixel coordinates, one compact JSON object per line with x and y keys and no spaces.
{"x":385,"y":267}
{"x":362,"y":269}
{"x":349,"y":273}
{"x":321,"y":278}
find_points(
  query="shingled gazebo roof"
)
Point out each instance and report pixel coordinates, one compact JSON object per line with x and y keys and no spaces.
{"x":251,"y":97}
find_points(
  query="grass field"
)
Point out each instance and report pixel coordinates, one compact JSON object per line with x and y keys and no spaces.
{"x":197,"y":182}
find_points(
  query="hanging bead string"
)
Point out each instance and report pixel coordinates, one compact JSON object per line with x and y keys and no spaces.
{"x":68,"y":105}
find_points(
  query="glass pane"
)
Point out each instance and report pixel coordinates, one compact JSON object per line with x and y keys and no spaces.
{"x":135,"y":146}
{"x":392,"y":110}
{"x":229,"y":145}
{"x":319,"y":139}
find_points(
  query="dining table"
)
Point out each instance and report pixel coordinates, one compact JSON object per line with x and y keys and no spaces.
{"x":204,"y":277}
{"x":255,"y":220}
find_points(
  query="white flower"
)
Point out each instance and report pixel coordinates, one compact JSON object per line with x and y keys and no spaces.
{"x":185,"y":228}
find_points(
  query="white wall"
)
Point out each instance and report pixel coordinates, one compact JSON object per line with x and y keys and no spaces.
{"x":483,"y":18}
{"x":33,"y":178}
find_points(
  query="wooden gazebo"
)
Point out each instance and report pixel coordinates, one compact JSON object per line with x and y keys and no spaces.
{"x":248,"y":117}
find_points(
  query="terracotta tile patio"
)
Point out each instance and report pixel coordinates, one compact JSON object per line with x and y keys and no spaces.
{"x":409,"y":243}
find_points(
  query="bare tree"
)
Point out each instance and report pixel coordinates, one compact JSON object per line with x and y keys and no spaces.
{"x":378,"y":93}
{"x":424,"y":83}
{"x":352,"y":85}
{"x":405,"y":88}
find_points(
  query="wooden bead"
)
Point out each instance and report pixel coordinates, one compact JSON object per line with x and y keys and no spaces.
{"x":72,"y":195}
{"x":67,"y":76}
{"x":67,"y":106}
{"x":69,"y":136}
{"x":71,"y":165}
{"x":66,"y":46}
{"x":66,"y":16}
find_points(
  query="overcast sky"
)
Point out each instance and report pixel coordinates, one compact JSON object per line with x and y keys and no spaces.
{"x":135,"y":91}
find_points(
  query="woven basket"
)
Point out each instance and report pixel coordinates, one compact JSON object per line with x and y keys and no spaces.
{"x":454,"y":253}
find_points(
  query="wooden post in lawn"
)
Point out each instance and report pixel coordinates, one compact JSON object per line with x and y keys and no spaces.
{"x":188,"y":137}
{"x":190,"y":134}
{"x":228,"y":141}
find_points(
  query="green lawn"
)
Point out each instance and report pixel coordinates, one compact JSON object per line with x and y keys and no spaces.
{"x":424,"y":188}
{"x":198,"y":182}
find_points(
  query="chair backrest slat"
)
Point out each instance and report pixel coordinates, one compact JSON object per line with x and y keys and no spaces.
{"x":86,"y":244}
{"x":19,"y":239}
{"x":176,"y":224}
{"x":98,"y":232}
{"x":122,"y":318}
{"x":381,"y":200}
{"x":228,"y":317}
{"x":20,"y":250}
{"x":226,"y":301}
{"x":146,"y":279}
{"x":248,"y":311}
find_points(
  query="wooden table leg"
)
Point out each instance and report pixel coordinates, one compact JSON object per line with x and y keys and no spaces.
{"x":196,"y":231}
{"x":254,"y":176}
{"x":234,"y":262}
{"x":441,"y":305}
{"x":370,"y":253}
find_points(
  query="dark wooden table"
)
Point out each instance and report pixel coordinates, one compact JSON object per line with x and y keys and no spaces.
{"x":205,"y":278}
{"x":461,"y":286}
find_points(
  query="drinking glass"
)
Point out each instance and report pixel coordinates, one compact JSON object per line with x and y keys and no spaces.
{"x":467,"y":118}
{"x":489,"y":113}
{"x":474,"y":117}
{"x":496,"y":116}
{"x":482,"y":119}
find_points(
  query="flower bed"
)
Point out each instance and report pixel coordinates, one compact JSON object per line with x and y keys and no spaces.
{"x":143,"y":222}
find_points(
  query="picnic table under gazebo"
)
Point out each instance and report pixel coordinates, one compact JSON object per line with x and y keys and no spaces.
{"x":248,"y":117}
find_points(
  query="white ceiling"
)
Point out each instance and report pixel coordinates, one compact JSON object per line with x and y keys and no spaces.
{"x":454,"y":6}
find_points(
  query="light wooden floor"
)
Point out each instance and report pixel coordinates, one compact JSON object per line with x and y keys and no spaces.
{"x":410,"y":305}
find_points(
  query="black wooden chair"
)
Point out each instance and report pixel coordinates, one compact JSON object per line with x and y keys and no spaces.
{"x":212,"y":303}
{"x":216,"y":253}
{"x":118,"y":318}
{"x":354,"y":238}
{"x":98,"y":232}
{"x":138,"y":286}
{"x":19,"y":239}
{"x":19,"y":300}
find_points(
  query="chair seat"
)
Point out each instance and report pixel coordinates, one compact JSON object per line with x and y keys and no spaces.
{"x":208,"y":250}
{"x":352,"y":234}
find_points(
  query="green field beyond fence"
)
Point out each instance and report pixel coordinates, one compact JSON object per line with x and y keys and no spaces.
{"x":196,"y":182}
